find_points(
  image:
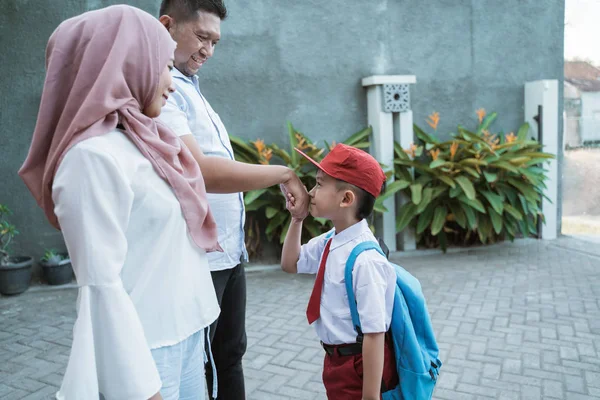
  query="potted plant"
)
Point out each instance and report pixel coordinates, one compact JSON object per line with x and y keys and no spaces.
{"x":15,"y":271}
{"x":57,"y":267}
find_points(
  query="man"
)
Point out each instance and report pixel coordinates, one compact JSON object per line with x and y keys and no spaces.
{"x":195,"y":26}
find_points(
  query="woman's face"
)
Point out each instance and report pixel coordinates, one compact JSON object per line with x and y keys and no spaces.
{"x":165,"y":86}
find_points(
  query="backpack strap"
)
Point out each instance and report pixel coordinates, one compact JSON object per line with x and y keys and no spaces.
{"x":364,"y":246}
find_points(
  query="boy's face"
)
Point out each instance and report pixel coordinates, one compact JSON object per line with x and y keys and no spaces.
{"x":326,"y":198}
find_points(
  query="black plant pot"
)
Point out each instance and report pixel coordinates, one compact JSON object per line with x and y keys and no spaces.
{"x":57,"y":274}
{"x":16,"y":276}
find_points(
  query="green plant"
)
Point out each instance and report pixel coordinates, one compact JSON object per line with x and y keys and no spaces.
{"x":265,"y":208}
{"x":7,"y":233}
{"x":476,"y":186}
{"x":53,"y":257}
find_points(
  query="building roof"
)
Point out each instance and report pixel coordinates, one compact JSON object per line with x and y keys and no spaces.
{"x":583,"y":75}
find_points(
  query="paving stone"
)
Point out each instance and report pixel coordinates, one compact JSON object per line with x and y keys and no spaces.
{"x":513,"y":321}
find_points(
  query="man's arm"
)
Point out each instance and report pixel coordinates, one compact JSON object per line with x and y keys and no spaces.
{"x":227,"y":176}
{"x":373,"y":354}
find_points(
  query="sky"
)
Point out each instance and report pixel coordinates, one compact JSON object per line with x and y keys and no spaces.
{"x":582,"y":30}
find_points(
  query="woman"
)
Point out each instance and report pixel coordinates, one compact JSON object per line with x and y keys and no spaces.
{"x":131,"y":203}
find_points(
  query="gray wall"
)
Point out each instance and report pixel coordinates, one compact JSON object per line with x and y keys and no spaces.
{"x":302,"y":61}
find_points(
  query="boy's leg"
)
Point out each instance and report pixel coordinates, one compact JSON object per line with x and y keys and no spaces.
{"x":341,"y":377}
{"x":229,"y":337}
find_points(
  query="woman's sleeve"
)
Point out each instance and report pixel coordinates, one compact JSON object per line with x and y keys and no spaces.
{"x":109,"y":355}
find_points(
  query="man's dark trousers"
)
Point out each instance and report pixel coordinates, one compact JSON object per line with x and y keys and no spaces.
{"x":228,"y":334}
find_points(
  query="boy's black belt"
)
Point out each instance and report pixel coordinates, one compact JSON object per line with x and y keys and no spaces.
{"x":343,"y":350}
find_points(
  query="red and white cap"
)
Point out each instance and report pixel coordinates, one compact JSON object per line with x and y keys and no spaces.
{"x":352,"y":165}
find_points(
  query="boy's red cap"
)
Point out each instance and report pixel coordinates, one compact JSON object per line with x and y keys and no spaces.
{"x":352,"y":165}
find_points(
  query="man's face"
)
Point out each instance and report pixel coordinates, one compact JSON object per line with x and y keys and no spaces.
{"x":196,"y":40}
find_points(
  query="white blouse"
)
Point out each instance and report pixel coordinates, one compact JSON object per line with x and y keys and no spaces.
{"x":143,"y":283}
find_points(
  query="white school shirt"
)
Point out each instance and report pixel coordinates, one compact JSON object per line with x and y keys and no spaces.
{"x":143,"y":283}
{"x":188,"y":112}
{"x":373,"y":278}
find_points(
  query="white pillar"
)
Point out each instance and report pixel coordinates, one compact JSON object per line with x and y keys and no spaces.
{"x":386,"y":95}
{"x":545,"y":93}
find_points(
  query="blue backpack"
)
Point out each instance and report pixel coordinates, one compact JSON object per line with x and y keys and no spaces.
{"x":415,"y":348}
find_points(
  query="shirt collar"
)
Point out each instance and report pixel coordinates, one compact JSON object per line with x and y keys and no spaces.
{"x":350,"y":233}
{"x":175,"y":73}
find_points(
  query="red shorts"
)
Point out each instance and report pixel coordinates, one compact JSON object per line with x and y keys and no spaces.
{"x":343,"y":375}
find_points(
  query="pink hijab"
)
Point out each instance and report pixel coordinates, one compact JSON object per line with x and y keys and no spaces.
{"x":103,"y":68}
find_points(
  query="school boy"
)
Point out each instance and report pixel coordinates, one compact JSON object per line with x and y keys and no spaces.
{"x":357,"y":366}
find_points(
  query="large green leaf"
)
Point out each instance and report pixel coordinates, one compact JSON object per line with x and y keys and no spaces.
{"x":257,"y":204}
{"x":252,"y":195}
{"x":455,"y":192}
{"x":405,"y":215}
{"x":399,"y":152}
{"x":447,"y":180}
{"x":513,"y":211}
{"x":425,"y":219}
{"x":470,"y":171}
{"x":425,"y":200}
{"x":495,"y":200}
{"x":271,"y":211}
{"x":293,"y":144}
{"x":392,"y":189}
{"x":470,"y":214}
{"x":484,"y":228}
{"x":437,"y":191}
{"x":438,"y":163}
{"x":416,"y":192}
{"x":496,"y":220}
{"x":473,"y":162}
{"x":490,"y":177}
{"x":459,"y":214}
{"x":466,"y":186}
{"x":524,"y":204}
{"x":424,"y":136}
{"x":505,"y":166}
{"x":439,"y":219}
{"x":359,"y":137}
{"x":476,"y":204}
{"x":276,"y":222}
{"x":522,"y":133}
{"x":487,"y":121}
{"x":525,"y":189}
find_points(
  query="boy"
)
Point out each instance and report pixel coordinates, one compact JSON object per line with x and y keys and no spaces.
{"x":355,"y":366}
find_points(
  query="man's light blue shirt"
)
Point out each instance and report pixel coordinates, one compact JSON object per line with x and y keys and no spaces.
{"x":188,"y":112}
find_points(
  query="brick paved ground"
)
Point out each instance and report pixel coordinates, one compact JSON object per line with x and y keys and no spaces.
{"x":516,"y":321}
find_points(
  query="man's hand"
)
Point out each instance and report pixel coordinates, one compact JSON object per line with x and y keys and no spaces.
{"x":296,"y":197}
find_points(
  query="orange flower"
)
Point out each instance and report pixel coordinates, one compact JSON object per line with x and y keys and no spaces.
{"x":260,"y":145}
{"x":412,"y":151}
{"x":510,"y":137}
{"x":301,"y":141}
{"x":434,"y":120}
{"x":332,"y":145}
{"x":480,"y":114}
{"x":453,"y":149}
{"x":434,"y":154}
{"x":266,"y":156}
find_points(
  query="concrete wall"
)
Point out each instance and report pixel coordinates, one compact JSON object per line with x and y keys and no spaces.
{"x":590,"y":116}
{"x":302,"y":61}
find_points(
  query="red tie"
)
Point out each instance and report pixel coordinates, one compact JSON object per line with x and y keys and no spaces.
{"x":313,"y":311}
